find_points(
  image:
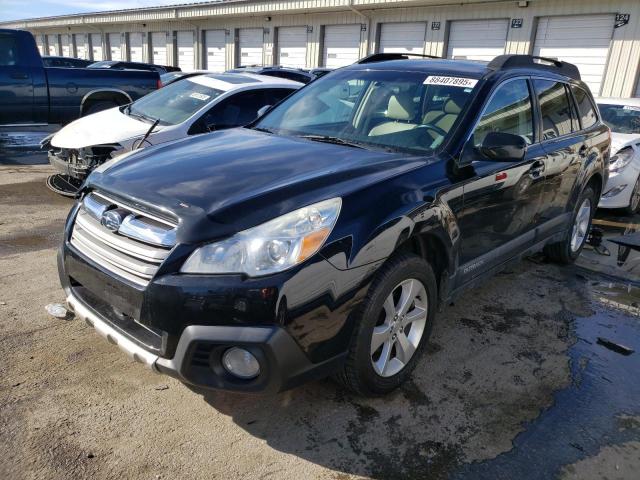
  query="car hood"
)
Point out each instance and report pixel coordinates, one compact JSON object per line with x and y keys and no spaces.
{"x":220,"y":183}
{"x":108,"y":126}
{"x":621,"y":140}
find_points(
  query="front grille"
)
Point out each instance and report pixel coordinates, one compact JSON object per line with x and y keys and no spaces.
{"x":134,"y":250}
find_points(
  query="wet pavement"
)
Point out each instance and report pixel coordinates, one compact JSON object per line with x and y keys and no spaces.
{"x":23,"y":147}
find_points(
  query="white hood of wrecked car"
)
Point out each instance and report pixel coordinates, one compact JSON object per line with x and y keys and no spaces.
{"x":621,"y":140}
{"x":108,"y":126}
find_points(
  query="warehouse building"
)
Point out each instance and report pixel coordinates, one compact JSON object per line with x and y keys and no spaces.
{"x":602,"y":37}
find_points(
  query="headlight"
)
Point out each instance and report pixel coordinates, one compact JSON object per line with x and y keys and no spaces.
{"x":621,"y":159}
{"x":272,"y":247}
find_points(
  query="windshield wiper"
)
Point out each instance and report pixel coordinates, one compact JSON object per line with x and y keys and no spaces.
{"x":260,"y":129}
{"x":330,"y":139}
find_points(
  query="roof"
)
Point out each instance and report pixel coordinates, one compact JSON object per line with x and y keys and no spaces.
{"x":634,"y":102}
{"x":231,"y":81}
{"x":454,"y":67}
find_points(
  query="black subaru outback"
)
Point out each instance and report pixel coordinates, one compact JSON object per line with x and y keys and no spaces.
{"x":321,"y":239}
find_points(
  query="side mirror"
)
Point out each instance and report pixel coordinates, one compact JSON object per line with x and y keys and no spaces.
{"x":503,"y":147}
{"x":264,"y":110}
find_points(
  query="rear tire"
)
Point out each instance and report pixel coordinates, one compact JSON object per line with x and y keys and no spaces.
{"x":98,"y":107}
{"x":568,"y":250}
{"x":392,"y":327}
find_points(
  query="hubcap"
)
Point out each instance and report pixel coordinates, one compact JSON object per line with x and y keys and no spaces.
{"x":400,"y":327}
{"x":581,"y":225}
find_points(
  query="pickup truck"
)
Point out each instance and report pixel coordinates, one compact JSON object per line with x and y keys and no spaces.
{"x":32,"y":94}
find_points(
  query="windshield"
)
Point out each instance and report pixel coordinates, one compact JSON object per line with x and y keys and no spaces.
{"x":621,"y":118}
{"x":174,"y":103}
{"x":394,"y":110}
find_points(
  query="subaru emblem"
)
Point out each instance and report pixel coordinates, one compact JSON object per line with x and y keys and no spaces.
{"x":112,"y":219}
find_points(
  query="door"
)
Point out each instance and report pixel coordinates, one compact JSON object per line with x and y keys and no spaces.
{"x":186,"y":55}
{"x":81,"y":46}
{"x":135,"y":47}
{"x":292,"y":47}
{"x":215,"y":48}
{"x":402,"y":37}
{"x":65,"y":41}
{"x":477,"y":39}
{"x":341,"y":45}
{"x":159,"y":48}
{"x":583,"y":40}
{"x":52,"y":40}
{"x":96,"y":47}
{"x":115,"y":49}
{"x":250,"y":50}
{"x":501,"y":199}
{"x":16,"y":84}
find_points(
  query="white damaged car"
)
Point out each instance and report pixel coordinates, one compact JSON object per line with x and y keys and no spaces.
{"x":622,"y":116}
{"x":195,"y":105}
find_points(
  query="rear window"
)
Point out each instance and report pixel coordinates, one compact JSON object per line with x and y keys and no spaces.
{"x":586,"y":110}
{"x":554,"y":108}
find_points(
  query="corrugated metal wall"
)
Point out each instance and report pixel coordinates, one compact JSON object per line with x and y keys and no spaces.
{"x":623,"y":64}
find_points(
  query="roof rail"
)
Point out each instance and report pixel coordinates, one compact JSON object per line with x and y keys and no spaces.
{"x":381,"y":57}
{"x":502,"y":62}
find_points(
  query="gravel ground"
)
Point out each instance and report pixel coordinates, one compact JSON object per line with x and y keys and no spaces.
{"x":72,"y":406}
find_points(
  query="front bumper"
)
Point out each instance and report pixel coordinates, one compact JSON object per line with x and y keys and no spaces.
{"x":621,"y":185}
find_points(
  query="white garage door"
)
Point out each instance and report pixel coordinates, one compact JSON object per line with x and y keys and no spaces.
{"x":215,"y":47}
{"x":65,"y":41}
{"x":115,"y":47}
{"x":39,"y":44}
{"x":477,"y":39}
{"x":96,"y":46}
{"x":402,"y":37}
{"x":52,"y":40}
{"x":186,"y":54}
{"x":292,"y":47}
{"x":135,"y":47}
{"x":341,"y":45}
{"x":81,"y":46}
{"x":580,"y":39}
{"x":159,"y":48}
{"x":251,"y":40}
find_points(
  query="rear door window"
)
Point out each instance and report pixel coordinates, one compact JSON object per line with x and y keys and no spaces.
{"x":555,"y":110}
{"x":8,"y":51}
{"x":586,"y":110}
{"x":236,"y":111}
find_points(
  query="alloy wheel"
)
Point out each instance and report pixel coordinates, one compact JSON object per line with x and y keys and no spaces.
{"x":581,"y":225}
{"x":635,"y":197}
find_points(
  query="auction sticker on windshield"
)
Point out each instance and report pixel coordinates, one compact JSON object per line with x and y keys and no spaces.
{"x":451,"y":81}
{"x":199,"y":96}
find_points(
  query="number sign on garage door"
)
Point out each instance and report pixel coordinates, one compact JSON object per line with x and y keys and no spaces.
{"x":341,"y":45}
{"x":580,"y":39}
{"x":292,"y":47}
{"x":52,"y":40}
{"x":96,"y":46}
{"x":159,"y":48}
{"x":251,"y":40}
{"x":186,"y":55}
{"x":81,"y":46}
{"x":135,"y":47}
{"x":114,"y":46}
{"x":402,"y":37}
{"x":215,"y":48}
{"x":477,"y":39}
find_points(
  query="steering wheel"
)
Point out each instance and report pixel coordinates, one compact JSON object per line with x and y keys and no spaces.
{"x":430,"y":126}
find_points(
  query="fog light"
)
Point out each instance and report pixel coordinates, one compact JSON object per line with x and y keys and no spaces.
{"x":240,"y":363}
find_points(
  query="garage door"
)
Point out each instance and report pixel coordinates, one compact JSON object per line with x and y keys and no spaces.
{"x":96,"y":46}
{"x":251,"y":40}
{"x":135,"y":47}
{"x":65,"y":43}
{"x":186,"y":54}
{"x":81,"y":46}
{"x":159,"y":48}
{"x":115,"y":47}
{"x":215,"y":48}
{"x":477,"y":39}
{"x":341,"y":45}
{"x":52,"y":40}
{"x":292,"y":47}
{"x":402,"y":37}
{"x":39,"y":44}
{"x":580,"y":39}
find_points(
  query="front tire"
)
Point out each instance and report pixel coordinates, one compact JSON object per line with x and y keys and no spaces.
{"x":393,"y":325}
{"x":634,"y":201}
{"x":99,"y":107}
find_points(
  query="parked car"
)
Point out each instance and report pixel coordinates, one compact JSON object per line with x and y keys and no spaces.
{"x":196,"y":105}
{"x":171,"y":77}
{"x":622,"y":116}
{"x":322,"y":238}
{"x":120,"y":65}
{"x":320,"y":72}
{"x":295,"y":74}
{"x":67,"y":62}
{"x":31,"y":94}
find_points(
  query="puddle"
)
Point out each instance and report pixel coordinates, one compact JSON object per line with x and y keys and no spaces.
{"x":591,"y":412}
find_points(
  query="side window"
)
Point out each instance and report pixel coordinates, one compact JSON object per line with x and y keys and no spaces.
{"x":235,"y":111}
{"x":586,"y":110}
{"x":273,"y":96}
{"x":508,"y":111}
{"x":8,"y":51}
{"x":555,"y":111}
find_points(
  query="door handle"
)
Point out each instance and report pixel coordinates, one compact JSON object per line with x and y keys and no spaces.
{"x":19,"y":75}
{"x":536,"y":169}
{"x":583,"y":151}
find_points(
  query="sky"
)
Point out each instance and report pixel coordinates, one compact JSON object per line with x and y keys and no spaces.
{"x":21,"y":9}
